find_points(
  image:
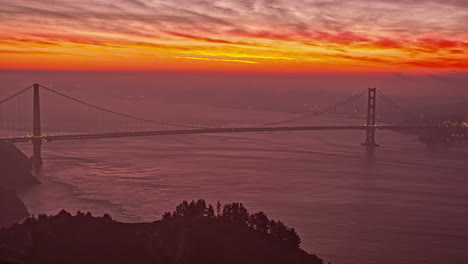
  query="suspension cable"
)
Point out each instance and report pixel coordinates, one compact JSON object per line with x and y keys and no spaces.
{"x":321,"y":111}
{"x":119,"y":114}
{"x":395,"y":105}
{"x":16,"y":94}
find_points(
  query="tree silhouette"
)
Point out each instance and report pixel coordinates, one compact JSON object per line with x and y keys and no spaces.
{"x":280,"y":231}
{"x":210,"y":211}
{"x":192,"y":209}
{"x":236,"y":212}
{"x":107,"y":218}
{"x":166,"y":216}
{"x":259,"y":221}
{"x":234,"y":236}
{"x":218,"y":209}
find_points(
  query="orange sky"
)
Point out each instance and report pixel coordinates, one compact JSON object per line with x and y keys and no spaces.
{"x":235,"y":35}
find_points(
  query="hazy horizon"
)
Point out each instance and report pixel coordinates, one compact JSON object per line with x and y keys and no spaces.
{"x":452,"y":84}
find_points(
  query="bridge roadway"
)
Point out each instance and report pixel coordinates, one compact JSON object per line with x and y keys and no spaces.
{"x":207,"y":131}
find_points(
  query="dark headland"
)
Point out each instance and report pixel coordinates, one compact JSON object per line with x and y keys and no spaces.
{"x":15,"y":167}
{"x":15,"y":172}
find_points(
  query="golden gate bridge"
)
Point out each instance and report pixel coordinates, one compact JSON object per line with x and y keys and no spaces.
{"x":16,"y":120}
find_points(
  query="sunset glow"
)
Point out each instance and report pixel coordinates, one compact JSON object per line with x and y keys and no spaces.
{"x":234,"y":35}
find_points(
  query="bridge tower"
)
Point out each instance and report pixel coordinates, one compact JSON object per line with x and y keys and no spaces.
{"x":36,"y":139}
{"x":371,"y":107}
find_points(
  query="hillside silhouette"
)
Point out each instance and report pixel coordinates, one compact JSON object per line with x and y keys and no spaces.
{"x":194,"y":233}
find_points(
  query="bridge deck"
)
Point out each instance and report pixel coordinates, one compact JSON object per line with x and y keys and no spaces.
{"x":207,"y":131}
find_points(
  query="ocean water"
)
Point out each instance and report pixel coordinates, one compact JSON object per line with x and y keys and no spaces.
{"x":403,"y":202}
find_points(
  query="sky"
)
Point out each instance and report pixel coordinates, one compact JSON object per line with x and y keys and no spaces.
{"x":300,"y":36}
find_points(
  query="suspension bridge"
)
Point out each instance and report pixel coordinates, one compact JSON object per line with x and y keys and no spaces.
{"x":43,"y":123}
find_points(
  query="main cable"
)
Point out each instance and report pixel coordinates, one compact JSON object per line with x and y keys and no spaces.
{"x":16,"y":94}
{"x":318,"y":112}
{"x":395,"y":105}
{"x":119,"y":114}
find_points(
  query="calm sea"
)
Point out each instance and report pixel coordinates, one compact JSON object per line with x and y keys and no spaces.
{"x":402,"y":203}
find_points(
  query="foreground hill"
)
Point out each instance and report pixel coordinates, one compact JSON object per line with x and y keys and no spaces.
{"x":179,"y":239}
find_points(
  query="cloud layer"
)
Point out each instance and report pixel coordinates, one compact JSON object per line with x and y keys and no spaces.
{"x":277,"y":35}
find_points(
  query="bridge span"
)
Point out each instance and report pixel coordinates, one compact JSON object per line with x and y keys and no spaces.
{"x":39,"y":136}
{"x":50,"y":138}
